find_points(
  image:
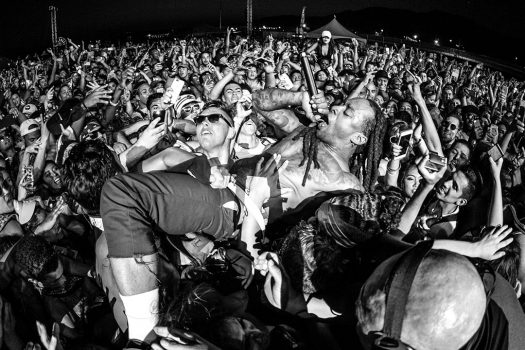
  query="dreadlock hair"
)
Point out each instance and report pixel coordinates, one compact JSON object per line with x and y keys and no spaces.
{"x":375,"y":130}
{"x":310,"y":149}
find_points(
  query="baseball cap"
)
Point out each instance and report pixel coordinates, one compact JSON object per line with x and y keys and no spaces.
{"x":326,"y":33}
{"x":28,"y":126}
{"x":29,"y":109}
{"x":382,"y":74}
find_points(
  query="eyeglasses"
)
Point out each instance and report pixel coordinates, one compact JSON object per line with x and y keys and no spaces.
{"x":450,"y":126}
{"x":212,"y":118}
{"x":191,"y":108}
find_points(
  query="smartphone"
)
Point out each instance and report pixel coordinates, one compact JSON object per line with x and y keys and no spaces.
{"x":160,"y":113}
{"x":285,"y":81}
{"x":435,"y":162}
{"x":402,"y":138}
{"x":477,"y":128}
{"x":492,"y":134}
{"x":176,"y":87}
{"x":495,"y":152}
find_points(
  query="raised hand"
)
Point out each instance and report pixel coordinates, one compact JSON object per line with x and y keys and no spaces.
{"x":93,"y":85}
{"x":495,"y":167}
{"x":269,"y":66}
{"x":152,"y":134}
{"x":489,"y":247}
{"x":396,"y":150}
{"x":241,"y":111}
{"x":431,"y":178}
{"x":99,"y":95}
{"x":265,"y":181}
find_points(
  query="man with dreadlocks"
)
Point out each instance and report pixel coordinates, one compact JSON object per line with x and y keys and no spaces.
{"x":328,"y":146}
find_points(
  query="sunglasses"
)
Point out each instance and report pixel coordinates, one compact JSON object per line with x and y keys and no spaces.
{"x":212,"y":118}
{"x":214,"y":103}
{"x":450,"y":126}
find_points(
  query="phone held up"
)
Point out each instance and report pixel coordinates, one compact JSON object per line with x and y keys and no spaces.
{"x":435,"y":162}
{"x":402,"y":137}
{"x":495,"y":152}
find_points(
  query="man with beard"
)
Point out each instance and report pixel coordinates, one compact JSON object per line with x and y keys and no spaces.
{"x":448,"y":131}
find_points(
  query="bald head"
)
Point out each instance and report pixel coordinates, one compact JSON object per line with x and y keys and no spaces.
{"x":445,"y":306}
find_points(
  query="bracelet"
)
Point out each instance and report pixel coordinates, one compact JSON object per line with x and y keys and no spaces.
{"x":390,"y":170}
{"x":83,"y":105}
{"x":113,"y":103}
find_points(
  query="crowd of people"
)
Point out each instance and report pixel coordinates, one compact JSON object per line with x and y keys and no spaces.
{"x":202,"y":193}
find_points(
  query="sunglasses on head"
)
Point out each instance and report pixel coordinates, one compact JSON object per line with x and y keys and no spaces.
{"x":214,"y":103}
{"x":212,"y":118}
{"x":448,"y":125}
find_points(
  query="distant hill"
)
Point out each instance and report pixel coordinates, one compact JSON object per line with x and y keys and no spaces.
{"x":429,"y":26}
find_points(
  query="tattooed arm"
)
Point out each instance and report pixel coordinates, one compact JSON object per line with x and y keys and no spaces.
{"x":273,"y":105}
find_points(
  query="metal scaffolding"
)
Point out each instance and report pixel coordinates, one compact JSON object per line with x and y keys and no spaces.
{"x":249,"y":17}
{"x":54,"y":33}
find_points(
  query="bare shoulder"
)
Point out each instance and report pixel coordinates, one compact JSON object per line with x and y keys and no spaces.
{"x":352,"y":182}
{"x":289,"y":146}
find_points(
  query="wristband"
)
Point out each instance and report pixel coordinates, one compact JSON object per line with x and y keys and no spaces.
{"x":83,"y":106}
{"x":113,"y":103}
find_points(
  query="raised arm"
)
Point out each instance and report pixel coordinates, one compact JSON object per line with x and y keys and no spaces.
{"x":312,"y":47}
{"x":413,"y":207}
{"x":167,"y":159}
{"x":431,"y":134}
{"x":367,"y":79}
{"x":496,"y":203}
{"x":273,"y":105}
{"x":216,"y":92}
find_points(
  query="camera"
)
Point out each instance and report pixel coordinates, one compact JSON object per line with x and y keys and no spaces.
{"x":435,"y":162}
{"x":402,"y":137}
